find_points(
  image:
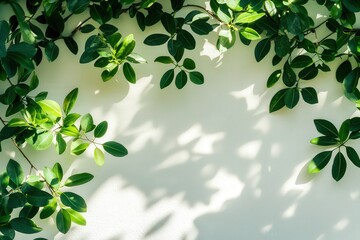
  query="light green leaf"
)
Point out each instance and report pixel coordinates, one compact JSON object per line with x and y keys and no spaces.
{"x":78,"y":149}
{"x":43,"y":141}
{"x":76,"y":217}
{"x":248,"y":17}
{"x":70,"y":100}
{"x":87,"y":123}
{"x":99,"y":157}
{"x":50,"y":107}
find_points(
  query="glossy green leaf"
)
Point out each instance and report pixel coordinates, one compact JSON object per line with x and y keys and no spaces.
{"x":16,"y":200}
{"x":201,"y":27}
{"x":57,"y":169}
{"x":164,"y":59}
{"x":167,"y":78}
{"x":63,"y":221}
{"x":114,"y":148}
{"x":196,"y":77}
{"x":76,"y":217}
{"x":49,"y":209}
{"x":301,"y":61}
{"x":39,"y":198}
{"x":168,"y":22}
{"x":87,"y":28}
{"x":51,"y":51}
{"x":277,"y":101}
{"x":17,"y":122}
{"x":288,"y":76}
{"x":351,"y":80}
{"x":15,"y":172}
{"x":186,"y":39}
{"x":156,"y":39}
{"x":60,"y":144}
{"x":325,"y":127}
{"x":78,"y":179}
{"x":73,"y":201}
{"x":352,"y":5}
{"x":292,"y":97}
{"x":108,"y":29}
{"x":24,"y":225}
{"x":248,"y":17}
{"x":99,"y":157}
{"x":344,"y":130}
{"x":43,"y":141}
{"x":101,"y":129}
{"x":71,"y":45}
{"x":189,"y":64}
{"x":126,"y":47}
{"x":309,"y":72}
{"x":50,"y":107}
{"x":129,"y":73}
{"x":319,"y":161}
{"x":77,"y":6}
{"x":262,"y":49}
{"x":282,"y":45}
{"x":70,"y":100}
{"x":353,"y":156}
{"x":339,"y":166}
{"x":324,"y":141}
{"x":79,"y":149}
{"x":273,"y":78}
{"x":181,"y":79}
{"x":250,"y":33}
{"x":309,"y":95}
{"x":87,"y":123}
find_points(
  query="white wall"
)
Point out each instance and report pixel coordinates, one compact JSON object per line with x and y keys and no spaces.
{"x":206,"y":162}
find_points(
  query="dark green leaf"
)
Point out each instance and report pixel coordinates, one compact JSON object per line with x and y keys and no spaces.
{"x":176,"y":5}
{"x":186,"y":39}
{"x":87,"y":123}
{"x":51,"y":51}
{"x":292,"y":97}
{"x":324,"y":141}
{"x":49,"y":209}
{"x":24,"y":225}
{"x":79,"y":149}
{"x":16,"y":200}
{"x":273,"y":78}
{"x":288,"y":76}
{"x":325,"y":127}
{"x":73,"y":201}
{"x":108,"y":74}
{"x":87,"y":28}
{"x":277,"y":101}
{"x":309,"y":95}
{"x":115,"y":149}
{"x":71,"y":44}
{"x":353,"y":156}
{"x":262,"y":49}
{"x":339,"y":166}
{"x":15,"y":172}
{"x":351,"y":80}
{"x":156,"y":39}
{"x":352,"y":5}
{"x":189,"y":64}
{"x":164,"y":59}
{"x":129,"y":73}
{"x":38,"y":198}
{"x":181,"y":79}
{"x":343,"y":70}
{"x":301,"y":61}
{"x":201,"y":27}
{"x":108,"y":29}
{"x":101,"y":129}
{"x":282,"y":45}
{"x":196,"y":77}
{"x":28,"y":211}
{"x":309,"y":72}
{"x":77,"y":6}
{"x":78,"y":179}
{"x":168,"y":22}
{"x":63,"y":221}
{"x":344,"y":130}
{"x":319,"y":161}
{"x":167,"y":78}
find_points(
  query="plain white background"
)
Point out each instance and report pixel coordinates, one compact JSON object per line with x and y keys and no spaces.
{"x":206,"y":162}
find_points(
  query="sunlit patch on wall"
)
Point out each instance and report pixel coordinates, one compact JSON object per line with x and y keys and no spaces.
{"x":210,"y":50}
{"x":263,"y":125}
{"x":266,"y":228}
{"x":174,"y":160}
{"x":252,"y":100}
{"x":249,"y":150}
{"x":190,"y":135}
{"x":354,"y":195}
{"x":290,"y":186}
{"x":205,"y":145}
{"x":275,"y":150}
{"x":342,"y":224}
{"x":290,"y":211}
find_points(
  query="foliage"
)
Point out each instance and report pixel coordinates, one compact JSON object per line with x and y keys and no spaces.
{"x":36,"y":27}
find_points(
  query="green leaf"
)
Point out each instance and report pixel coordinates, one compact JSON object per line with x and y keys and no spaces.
{"x":57,"y":169}
{"x":277,"y":101}
{"x":24,"y":225}
{"x":201,"y":26}
{"x":273,"y":78}
{"x":4,"y":31}
{"x":16,"y":200}
{"x":87,"y":123}
{"x":292,"y":97}
{"x":309,"y":72}
{"x":324,"y":141}
{"x":108,"y":74}
{"x":196,"y":77}
{"x":49,"y":209}
{"x":135,"y":58}
{"x":99,"y":157}
{"x":164,"y":59}
{"x":60,"y":144}
{"x":353,"y":156}
{"x":17,"y":122}
{"x":15,"y":172}
{"x":147,"y":3}
{"x":248,"y":17}
{"x":282,"y":46}
{"x":339,"y":166}
{"x":70,"y":100}
{"x":101,"y":129}
{"x":181,"y":79}
{"x":70,"y":119}
{"x":73,"y":201}
{"x":70,"y":131}
{"x":76,"y":217}
{"x":78,"y":149}
{"x":167,"y":78}
{"x":51,"y":51}
{"x":186,"y":39}
{"x":189,"y":64}
{"x":129,"y":73}
{"x":325,"y":127}
{"x":289,"y":76}
{"x":168,"y":22}
{"x":126,"y":47}
{"x":108,"y":29}
{"x":344,"y":131}
{"x":262,"y":49}
{"x":43,"y":141}
{"x":87,"y":28}
{"x":39,"y":198}
{"x":250,"y":33}
{"x":352,"y":5}
{"x":319,"y":161}
{"x":343,"y":70}
{"x":156,"y":39}
{"x":71,"y":45}
{"x":78,"y":179}
{"x":301,"y":61}
{"x":115,"y":149}
{"x":351,"y":80}
{"x":309,"y":95}
{"x":77,"y":6}
{"x":63,"y":221}
{"x":50,"y":107}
